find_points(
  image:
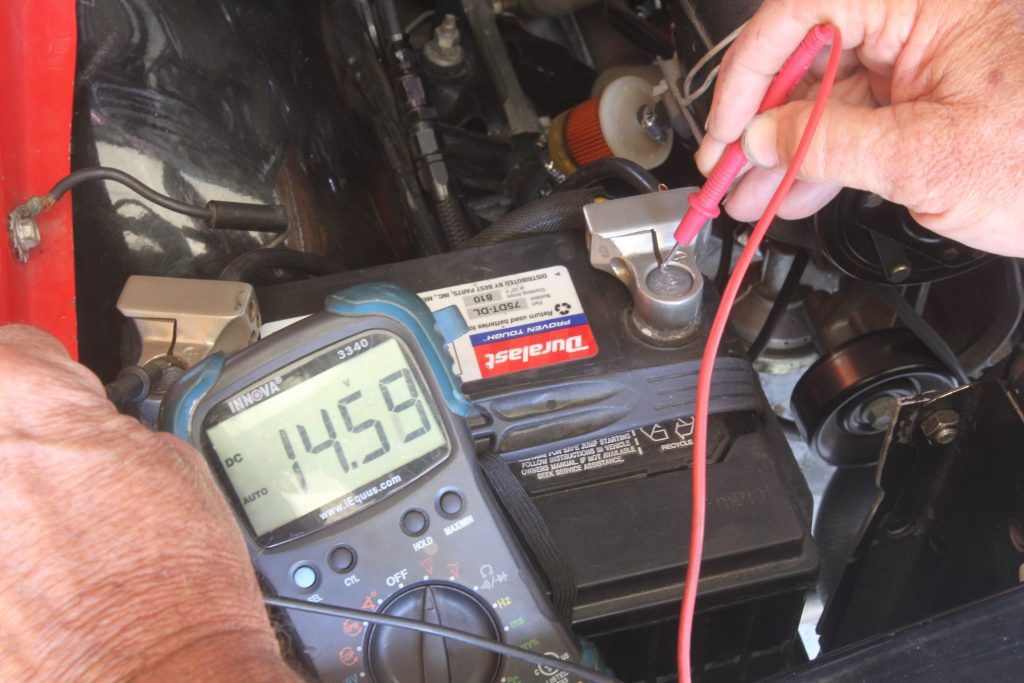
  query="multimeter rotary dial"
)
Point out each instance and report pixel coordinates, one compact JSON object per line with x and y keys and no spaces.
{"x":400,"y":656}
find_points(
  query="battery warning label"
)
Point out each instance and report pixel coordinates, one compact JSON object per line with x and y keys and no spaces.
{"x":610,"y":450}
{"x":517,"y":322}
{"x":652,"y":448}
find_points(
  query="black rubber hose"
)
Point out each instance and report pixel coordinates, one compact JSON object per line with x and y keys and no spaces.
{"x":531,"y":187}
{"x":453,"y":223}
{"x":725,"y":259}
{"x":133,"y":183}
{"x":640,"y":32}
{"x":244,"y":267}
{"x":134,"y":383}
{"x":559,"y":212}
{"x":629,"y":172}
{"x":389,"y":19}
{"x":909,"y":316}
{"x":780,"y":306}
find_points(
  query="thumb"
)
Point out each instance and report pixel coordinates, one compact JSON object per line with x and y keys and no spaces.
{"x":38,"y":365}
{"x":29,"y":340}
{"x":859,"y":147}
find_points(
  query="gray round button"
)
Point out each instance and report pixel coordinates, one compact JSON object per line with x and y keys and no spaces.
{"x":304,"y":577}
{"x":414,"y":522}
{"x":450,"y":502}
{"x":342,"y":559}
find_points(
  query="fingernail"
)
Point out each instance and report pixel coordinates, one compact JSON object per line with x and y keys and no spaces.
{"x":707,"y":122}
{"x":759,"y":140}
{"x":708,"y":154}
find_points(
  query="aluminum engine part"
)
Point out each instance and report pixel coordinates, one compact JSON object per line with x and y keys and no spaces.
{"x":189,"y":319}
{"x":630,"y":238}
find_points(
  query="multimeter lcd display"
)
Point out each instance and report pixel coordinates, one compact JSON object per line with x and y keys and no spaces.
{"x":328,"y":434}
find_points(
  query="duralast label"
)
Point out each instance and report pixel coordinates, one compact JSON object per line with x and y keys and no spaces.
{"x":518,"y":322}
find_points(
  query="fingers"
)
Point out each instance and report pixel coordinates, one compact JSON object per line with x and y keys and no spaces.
{"x":861,"y":147}
{"x":769,"y":39}
{"x":708,"y":154}
{"x":748,"y":200}
{"x":855,"y":89}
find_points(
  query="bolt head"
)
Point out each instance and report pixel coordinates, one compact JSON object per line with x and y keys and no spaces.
{"x":899,"y":272}
{"x":23,"y":233}
{"x":649,"y":122}
{"x":879,"y":411}
{"x":941,"y":427}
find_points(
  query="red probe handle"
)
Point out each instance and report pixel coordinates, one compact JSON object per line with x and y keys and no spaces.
{"x":704,"y":204}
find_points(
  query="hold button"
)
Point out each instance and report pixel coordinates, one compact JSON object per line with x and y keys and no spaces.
{"x":414,"y":522}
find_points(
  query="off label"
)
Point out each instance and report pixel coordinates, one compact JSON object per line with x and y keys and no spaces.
{"x":517,"y":322}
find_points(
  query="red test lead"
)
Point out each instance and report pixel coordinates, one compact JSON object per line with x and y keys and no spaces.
{"x":704,"y":204}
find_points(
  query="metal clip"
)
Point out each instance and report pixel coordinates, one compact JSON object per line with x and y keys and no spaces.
{"x":189,"y":319}
{"x":630,"y":238}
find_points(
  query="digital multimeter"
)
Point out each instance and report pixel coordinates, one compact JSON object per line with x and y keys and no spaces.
{"x":342,"y":446}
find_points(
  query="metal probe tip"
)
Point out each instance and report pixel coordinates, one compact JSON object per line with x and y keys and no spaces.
{"x":671,"y":255}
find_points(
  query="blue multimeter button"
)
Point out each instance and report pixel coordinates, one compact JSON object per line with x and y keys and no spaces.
{"x":304,"y":577}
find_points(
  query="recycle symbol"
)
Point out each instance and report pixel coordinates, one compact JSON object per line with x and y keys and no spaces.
{"x":562,"y":309}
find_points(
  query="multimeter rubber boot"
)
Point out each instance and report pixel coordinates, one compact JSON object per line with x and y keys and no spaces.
{"x":342,"y":445}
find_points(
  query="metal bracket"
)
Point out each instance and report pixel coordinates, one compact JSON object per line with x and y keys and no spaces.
{"x":189,"y":319}
{"x":630,"y":238}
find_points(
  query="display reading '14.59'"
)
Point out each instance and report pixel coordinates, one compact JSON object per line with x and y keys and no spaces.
{"x":333,"y":438}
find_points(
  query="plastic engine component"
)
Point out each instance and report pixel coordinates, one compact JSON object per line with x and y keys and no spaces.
{"x":608,"y":126}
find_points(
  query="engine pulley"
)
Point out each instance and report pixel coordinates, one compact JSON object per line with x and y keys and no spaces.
{"x":844,"y":402}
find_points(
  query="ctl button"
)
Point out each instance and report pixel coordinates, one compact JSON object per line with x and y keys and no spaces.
{"x":450,"y":503}
{"x":342,"y":559}
{"x":304,"y":577}
{"x":414,"y":522}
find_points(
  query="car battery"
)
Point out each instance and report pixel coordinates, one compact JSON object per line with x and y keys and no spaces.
{"x":596,"y":421}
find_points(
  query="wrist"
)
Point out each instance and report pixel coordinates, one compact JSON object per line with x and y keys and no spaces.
{"x":233,"y":654}
{"x":191,"y":618}
{"x":217,"y":640}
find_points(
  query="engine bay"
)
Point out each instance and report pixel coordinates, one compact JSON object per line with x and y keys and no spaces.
{"x":522,"y":165}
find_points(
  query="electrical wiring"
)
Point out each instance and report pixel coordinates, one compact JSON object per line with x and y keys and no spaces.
{"x":689,"y":96}
{"x":218,"y":215}
{"x":418,"y":21}
{"x":780,"y":307}
{"x":729,"y":230}
{"x":146,"y":192}
{"x":718,"y":326}
{"x":443,"y":632}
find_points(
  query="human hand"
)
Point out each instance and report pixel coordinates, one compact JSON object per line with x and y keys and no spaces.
{"x":926,"y":113}
{"x":120,"y":556}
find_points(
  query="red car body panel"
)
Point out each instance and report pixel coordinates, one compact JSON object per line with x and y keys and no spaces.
{"x":37,"y":74}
